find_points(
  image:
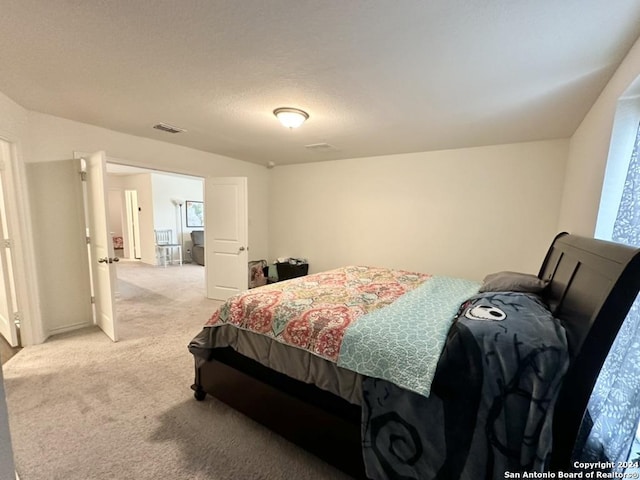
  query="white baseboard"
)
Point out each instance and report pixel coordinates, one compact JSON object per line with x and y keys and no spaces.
{"x":68,"y":328}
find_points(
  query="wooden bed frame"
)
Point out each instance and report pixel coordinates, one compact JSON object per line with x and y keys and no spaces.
{"x":592,"y":285}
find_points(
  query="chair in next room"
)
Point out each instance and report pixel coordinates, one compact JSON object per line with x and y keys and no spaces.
{"x":165,"y":247}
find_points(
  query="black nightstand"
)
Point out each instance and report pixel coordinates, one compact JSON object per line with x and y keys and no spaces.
{"x":291,"y":270}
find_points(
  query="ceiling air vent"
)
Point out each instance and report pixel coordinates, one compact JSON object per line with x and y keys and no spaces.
{"x":321,"y":147}
{"x":165,"y":127}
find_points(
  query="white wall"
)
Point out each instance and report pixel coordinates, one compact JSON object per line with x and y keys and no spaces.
{"x":589,"y":151}
{"x":465,"y":212}
{"x":60,"y":244}
{"x":116,"y":209}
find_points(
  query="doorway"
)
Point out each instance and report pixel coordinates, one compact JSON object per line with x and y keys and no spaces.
{"x":141,"y":201}
{"x":9,"y":317}
{"x":124,"y":223}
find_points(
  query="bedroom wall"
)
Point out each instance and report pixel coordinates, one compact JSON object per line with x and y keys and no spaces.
{"x":465,"y":212}
{"x":57,"y":216}
{"x":589,"y":150}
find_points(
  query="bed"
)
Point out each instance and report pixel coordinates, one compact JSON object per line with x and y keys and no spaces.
{"x":505,"y":388}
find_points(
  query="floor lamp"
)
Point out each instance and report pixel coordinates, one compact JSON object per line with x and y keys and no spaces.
{"x":178,"y":202}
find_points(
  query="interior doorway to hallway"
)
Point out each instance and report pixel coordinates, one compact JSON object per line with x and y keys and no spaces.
{"x":142,"y":201}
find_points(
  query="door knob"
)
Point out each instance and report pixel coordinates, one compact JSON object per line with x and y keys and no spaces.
{"x":242,"y":249}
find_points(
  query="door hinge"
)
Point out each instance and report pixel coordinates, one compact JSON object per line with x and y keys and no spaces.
{"x":7,"y":243}
{"x":17,"y":317}
{"x":88,"y":240}
{"x":83,"y":176}
{"x":93,"y":300}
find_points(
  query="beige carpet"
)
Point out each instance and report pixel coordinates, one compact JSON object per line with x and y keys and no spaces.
{"x":81,"y":407}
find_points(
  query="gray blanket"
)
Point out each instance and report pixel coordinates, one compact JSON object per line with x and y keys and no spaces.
{"x":491,"y":402}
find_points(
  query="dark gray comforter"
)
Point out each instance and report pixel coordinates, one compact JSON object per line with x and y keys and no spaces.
{"x":491,"y":403}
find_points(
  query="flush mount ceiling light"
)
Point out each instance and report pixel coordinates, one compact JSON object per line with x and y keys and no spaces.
{"x":290,"y":117}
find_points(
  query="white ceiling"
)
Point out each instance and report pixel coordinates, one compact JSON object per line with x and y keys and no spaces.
{"x":376,"y":76}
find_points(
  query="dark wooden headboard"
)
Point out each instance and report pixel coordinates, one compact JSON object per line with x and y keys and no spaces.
{"x":593,"y":283}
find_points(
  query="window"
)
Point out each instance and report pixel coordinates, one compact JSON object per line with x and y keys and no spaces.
{"x":609,"y":429}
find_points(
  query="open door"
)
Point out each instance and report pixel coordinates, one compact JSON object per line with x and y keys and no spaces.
{"x":101,"y":257}
{"x":226,"y":236}
{"x":8,"y":327}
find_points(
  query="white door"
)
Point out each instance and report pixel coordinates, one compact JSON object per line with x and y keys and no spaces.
{"x":226,"y":236}
{"x":7,"y":286}
{"x":101,"y":257}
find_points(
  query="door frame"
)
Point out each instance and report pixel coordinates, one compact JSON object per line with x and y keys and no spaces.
{"x":23,"y":250}
{"x":10,"y":330}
